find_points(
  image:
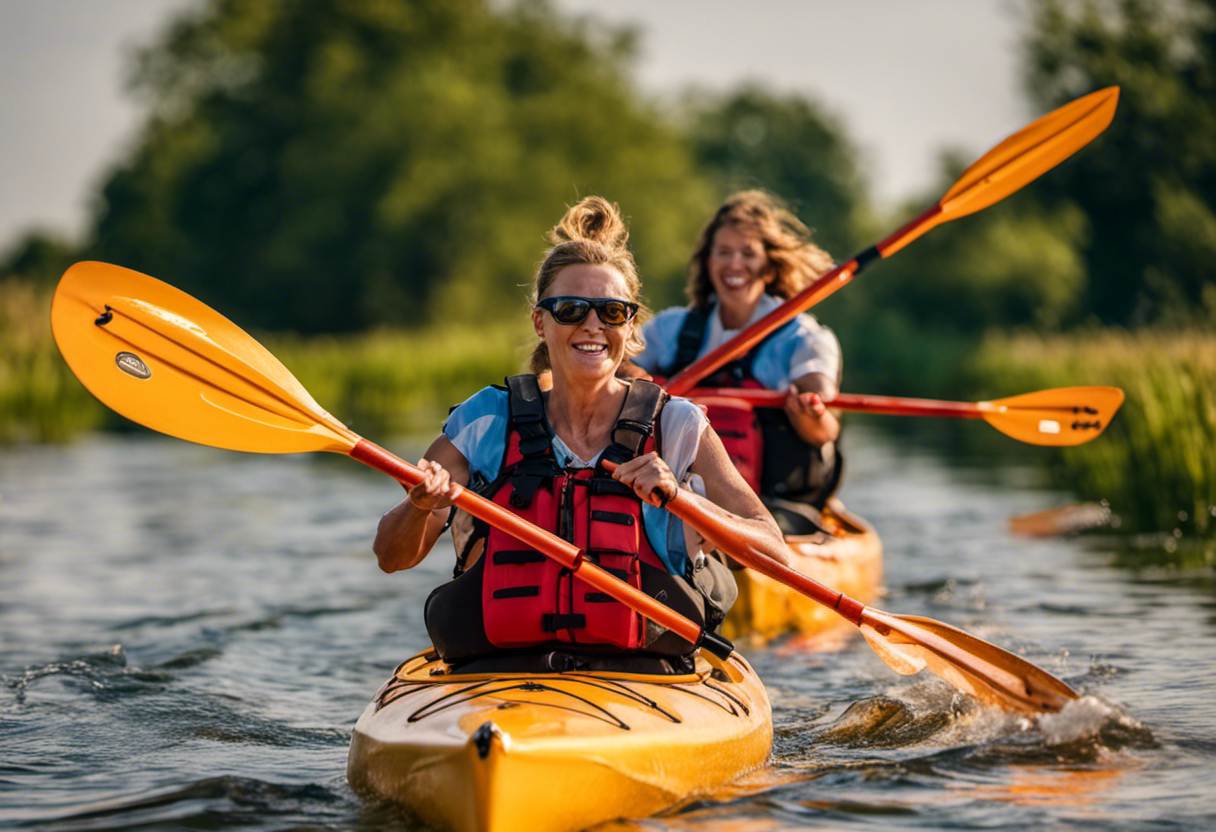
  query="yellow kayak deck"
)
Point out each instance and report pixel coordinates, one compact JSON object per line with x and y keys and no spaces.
{"x":848,"y":558}
{"x":555,"y":751}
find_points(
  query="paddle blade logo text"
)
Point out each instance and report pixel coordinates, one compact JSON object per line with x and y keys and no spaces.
{"x":132,"y":365}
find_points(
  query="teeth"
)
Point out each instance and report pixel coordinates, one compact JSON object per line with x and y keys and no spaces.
{"x":589,"y":347}
{"x":735,"y":282}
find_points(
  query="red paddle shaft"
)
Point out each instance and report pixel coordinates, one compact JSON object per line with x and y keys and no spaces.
{"x":740,"y":545}
{"x":849,"y":401}
{"x":549,"y":544}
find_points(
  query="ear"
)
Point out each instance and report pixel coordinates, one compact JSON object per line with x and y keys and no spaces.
{"x":538,"y":323}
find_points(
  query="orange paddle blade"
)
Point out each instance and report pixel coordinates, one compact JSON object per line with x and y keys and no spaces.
{"x":906,"y":643}
{"x":1063,"y":416}
{"x":1021,"y":158}
{"x":161,"y":358}
{"x":1015,"y":162}
{"x":911,"y":643}
{"x":1031,"y":152}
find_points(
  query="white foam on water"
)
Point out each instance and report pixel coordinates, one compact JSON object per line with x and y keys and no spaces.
{"x":1081,"y":719}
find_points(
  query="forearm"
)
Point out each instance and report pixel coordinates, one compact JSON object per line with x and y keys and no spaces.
{"x":405,"y":535}
{"x":758,"y":528}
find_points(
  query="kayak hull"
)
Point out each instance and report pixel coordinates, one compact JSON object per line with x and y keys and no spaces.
{"x":848,"y":559}
{"x":555,"y":751}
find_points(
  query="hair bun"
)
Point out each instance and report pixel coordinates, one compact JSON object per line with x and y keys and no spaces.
{"x":593,"y":219}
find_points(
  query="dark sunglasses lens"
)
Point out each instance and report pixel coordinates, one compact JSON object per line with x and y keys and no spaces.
{"x":613,"y":312}
{"x":570,"y":311}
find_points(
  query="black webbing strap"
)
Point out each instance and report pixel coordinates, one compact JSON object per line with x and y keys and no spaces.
{"x":688,"y":348}
{"x":527,"y":418}
{"x":690,"y":339}
{"x":551,"y":622}
{"x":636,"y":423}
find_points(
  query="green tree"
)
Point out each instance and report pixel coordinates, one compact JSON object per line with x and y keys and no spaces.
{"x":1148,"y":186}
{"x":789,"y":145}
{"x":38,"y":257}
{"x":339,"y":164}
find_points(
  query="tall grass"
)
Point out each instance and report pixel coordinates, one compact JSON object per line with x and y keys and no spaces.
{"x":40,"y":399}
{"x":1156,"y":464}
{"x":389,"y":381}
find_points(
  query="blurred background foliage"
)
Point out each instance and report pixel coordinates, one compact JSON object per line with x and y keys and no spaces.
{"x":368,"y":184}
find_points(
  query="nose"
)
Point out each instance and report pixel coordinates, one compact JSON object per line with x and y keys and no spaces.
{"x":592,"y":322}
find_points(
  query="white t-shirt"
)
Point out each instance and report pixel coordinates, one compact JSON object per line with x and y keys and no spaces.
{"x":799,"y":347}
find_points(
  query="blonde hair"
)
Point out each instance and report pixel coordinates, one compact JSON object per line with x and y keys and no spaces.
{"x":794,"y":260}
{"x":591,"y":233}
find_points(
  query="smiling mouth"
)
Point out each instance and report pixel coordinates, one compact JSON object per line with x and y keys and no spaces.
{"x":591,"y":349}
{"x":736,"y":281}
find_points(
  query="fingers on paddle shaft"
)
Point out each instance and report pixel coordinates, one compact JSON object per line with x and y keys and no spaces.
{"x":1061,"y":417}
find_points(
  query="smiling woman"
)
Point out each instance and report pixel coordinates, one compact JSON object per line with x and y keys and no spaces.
{"x":542,"y":456}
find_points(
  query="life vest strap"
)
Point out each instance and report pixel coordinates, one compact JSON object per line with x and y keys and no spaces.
{"x":527,"y":416}
{"x":551,"y":622}
{"x":637,"y":422}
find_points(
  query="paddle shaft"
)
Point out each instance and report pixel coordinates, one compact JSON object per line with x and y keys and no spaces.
{"x":823,"y":287}
{"x":739,"y":544}
{"x":563,"y":551}
{"x":892,"y":405}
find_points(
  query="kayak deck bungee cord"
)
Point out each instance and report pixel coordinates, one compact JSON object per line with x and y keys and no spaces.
{"x":555,"y":751}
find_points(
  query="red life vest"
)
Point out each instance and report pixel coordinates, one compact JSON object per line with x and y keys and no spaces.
{"x":761,"y":442}
{"x":528,"y":599}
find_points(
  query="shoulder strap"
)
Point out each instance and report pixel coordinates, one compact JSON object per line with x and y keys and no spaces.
{"x":689,"y":340}
{"x":688,"y":347}
{"x":527,"y":418}
{"x":636,"y":424}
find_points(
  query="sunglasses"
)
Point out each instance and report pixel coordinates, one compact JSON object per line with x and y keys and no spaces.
{"x":571,"y":310}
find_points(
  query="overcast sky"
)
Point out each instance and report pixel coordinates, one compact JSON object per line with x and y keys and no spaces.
{"x":907,"y":76}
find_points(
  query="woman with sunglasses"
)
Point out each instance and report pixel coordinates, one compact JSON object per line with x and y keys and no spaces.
{"x":752,"y":255}
{"x":540,"y":453}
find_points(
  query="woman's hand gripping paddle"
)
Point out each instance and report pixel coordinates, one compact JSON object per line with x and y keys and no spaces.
{"x":1012,"y":164}
{"x":1063,"y":416}
{"x":165,"y":360}
{"x":907,"y":643}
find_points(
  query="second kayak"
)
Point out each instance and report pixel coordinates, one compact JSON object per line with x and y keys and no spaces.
{"x":555,"y":751}
{"x":847,"y":557}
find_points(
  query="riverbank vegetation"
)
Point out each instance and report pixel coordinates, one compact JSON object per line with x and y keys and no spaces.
{"x":1154,"y":465}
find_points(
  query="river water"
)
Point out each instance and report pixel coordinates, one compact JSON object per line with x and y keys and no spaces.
{"x":187,"y":636}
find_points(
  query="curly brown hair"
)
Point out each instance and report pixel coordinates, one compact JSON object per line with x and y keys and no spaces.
{"x":794,"y":260}
{"x":593,"y":233}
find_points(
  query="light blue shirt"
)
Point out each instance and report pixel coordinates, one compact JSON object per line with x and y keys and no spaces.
{"x":478,"y":429}
{"x":799,"y":347}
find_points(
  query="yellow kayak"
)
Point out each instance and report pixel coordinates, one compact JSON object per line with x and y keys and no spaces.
{"x":555,"y":751}
{"x":848,"y":558}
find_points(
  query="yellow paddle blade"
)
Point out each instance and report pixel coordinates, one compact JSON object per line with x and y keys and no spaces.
{"x":991,"y":674}
{"x":1063,"y":416}
{"x":167,"y":361}
{"x":1030,"y":152}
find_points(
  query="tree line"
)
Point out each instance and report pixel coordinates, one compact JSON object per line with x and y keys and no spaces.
{"x":342,"y":165}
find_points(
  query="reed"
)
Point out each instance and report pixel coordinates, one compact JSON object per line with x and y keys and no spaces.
{"x":395,"y":382}
{"x":40,"y":399}
{"x":1156,"y":464}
